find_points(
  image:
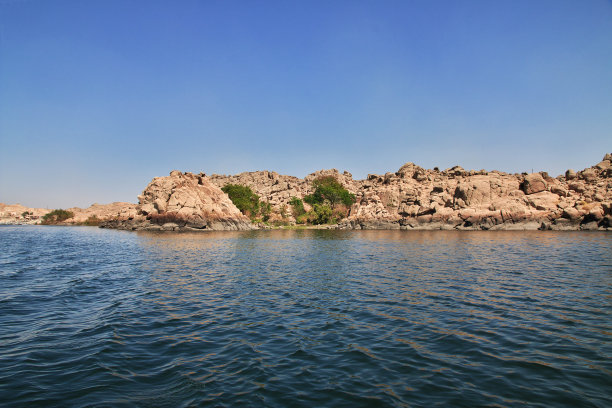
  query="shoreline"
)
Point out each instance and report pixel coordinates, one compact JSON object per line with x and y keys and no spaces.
{"x":412,"y":198}
{"x":529,"y":226}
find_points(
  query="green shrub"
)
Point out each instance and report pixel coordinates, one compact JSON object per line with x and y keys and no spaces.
{"x":298,"y":207}
{"x":92,"y":221}
{"x":56,"y":216}
{"x":248,"y":202}
{"x":322,"y":214}
{"x":329,"y":190}
{"x":264,"y":210}
{"x":243,"y":198}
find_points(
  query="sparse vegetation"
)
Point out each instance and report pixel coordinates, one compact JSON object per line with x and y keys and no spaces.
{"x":56,"y":216}
{"x":264,"y":210}
{"x":243,"y":198}
{"x":330,"y":202}
{"x":298,"y":207}
{"x":248,"y":202}
{"x":92,"y":221}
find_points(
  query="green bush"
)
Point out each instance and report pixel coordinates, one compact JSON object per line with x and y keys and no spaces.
{"x":322,"y":214}
{"x":298,"y":207}
{"x":329,"y":190}
{"x":248,"y":202}
{"x":92,"y":221}
{"x":264,"y":210}
{"x":243,"y":198}
{"x":56,"y":216}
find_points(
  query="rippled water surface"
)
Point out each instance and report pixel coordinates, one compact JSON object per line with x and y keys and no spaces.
{"x":92,"y":317}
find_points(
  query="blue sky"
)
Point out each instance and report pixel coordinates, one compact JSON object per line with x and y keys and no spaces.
{"x":98,"y":97}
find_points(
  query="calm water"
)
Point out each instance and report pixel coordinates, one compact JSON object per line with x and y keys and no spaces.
{"x":92,"y":317}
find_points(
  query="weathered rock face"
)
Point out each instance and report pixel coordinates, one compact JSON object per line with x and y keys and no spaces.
{"x":417,"y":198}
{"x":534,"y":183}
{"x":183,"y":201}
{"x":278,"y":189}
{"x":102,"y":212}
{"x":15,"y":214}
{"x":411,"y":198}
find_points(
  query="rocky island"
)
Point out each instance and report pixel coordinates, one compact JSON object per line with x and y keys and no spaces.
{"x":410,"y":198}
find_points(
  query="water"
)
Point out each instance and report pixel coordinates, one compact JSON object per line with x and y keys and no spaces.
{"x":92,"y":317}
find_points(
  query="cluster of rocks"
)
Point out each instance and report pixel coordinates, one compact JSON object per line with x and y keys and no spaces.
{"x":101,"y":212}
{"x":416,"y":198}
{"x":455,"y":198}
{"x":19,"y":214}
{"x":410,"y":198}
{"x":15,"y":214}
{"x":182,"y":202}
{"x":278,"y":190}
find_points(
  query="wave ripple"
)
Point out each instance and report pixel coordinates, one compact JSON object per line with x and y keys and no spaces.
{"x":92,"y":317}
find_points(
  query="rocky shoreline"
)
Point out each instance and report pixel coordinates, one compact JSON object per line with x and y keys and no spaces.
{"x":412,"y":198}
{"x":455,"y":198}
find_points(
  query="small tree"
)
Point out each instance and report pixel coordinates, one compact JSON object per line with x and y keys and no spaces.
{"x":328,"y":189}
{"x":56,"y":216}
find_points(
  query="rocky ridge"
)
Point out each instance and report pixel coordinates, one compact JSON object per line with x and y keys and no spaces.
{"x":455,"y":198}
{"x":410,"y":198}
{"x":16,"y":213}
{"x":182,"y":202}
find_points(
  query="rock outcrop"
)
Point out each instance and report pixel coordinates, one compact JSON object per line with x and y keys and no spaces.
{"x":278,"y":190}
{"x":19,"y":214}
{"x":410,"y":198}
{"x":182,"y":202}
{"x":455,"y":198}
{"x":101,"y":212}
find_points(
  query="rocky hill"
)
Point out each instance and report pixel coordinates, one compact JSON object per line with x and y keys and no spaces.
{"x":19,"y":214}
{"x":410,"y":198}
{"x":455,"y":198}
{"x":182,"y":202}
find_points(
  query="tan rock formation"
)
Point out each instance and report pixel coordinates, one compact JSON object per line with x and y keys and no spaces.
{"x":14,"y":214}
{"x":534,"y":183}
{"x":183,"y":201}
{"x":417,"y":198}
{"x":278,"y":190}
{"x":101,"y":212}
{"x":411,"y":198}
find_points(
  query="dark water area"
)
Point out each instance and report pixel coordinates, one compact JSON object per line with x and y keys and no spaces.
{"x":92,"y":317}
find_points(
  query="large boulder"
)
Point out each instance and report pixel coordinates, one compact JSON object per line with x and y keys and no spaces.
{"x":588,"y":175}
{"x":191,"y":201}
{"x":475,"y":192}
{"x":534,"y":183}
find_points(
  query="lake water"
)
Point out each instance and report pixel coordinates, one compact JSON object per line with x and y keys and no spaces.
{"x":307,"y":318}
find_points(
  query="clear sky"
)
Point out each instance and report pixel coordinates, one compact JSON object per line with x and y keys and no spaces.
{"x":98,"y":97}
